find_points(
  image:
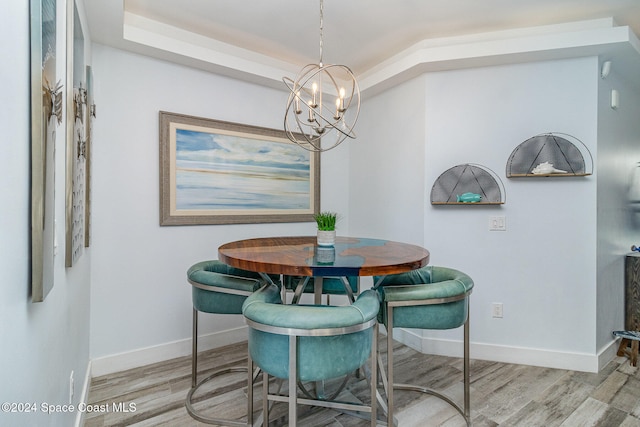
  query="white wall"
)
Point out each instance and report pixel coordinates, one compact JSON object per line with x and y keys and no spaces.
{"x":42,"y":342}
{"x":141,"y":302}
{"x":543,"y":268}
{"x":618,"y":219}
{"x":387,"y":166}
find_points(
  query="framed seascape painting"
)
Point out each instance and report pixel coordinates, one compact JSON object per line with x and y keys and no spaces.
{"x":215,"y":172}
{"x":46,"y":113}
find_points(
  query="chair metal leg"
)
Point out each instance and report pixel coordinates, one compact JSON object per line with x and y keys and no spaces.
{"x":383,"y":377}
{"x":195,"y":385}
{"x":194,"y":349}
{"x":265,"y":398}
{"x":465,"y":411}
{"x":467,"y":393}
{"x":249,"y":391}
{"x":390,"y":384}
{"x":374,"y":376}
{"x":293,"y":381}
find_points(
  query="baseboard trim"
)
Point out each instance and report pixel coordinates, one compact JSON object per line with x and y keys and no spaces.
{"x":84,"y":395}
{"x":608,"y":353}
{"x":583,"y":362}
{"x":145,"y":356}
{"x":452,"y":348}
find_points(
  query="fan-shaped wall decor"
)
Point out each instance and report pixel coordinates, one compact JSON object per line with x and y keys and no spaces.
{"x":550,"y":154}
{"x":468,"y":184}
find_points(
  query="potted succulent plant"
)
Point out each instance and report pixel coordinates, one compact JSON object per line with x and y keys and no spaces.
{"x":326,"y":222}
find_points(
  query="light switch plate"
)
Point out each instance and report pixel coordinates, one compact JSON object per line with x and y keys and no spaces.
{"x":497,"y":223}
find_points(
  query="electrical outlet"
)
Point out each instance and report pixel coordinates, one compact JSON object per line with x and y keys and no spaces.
{"x":71,"y":387}
{"x":496,"y":310}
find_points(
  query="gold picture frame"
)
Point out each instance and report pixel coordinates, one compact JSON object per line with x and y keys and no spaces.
{"x":217,"y":172}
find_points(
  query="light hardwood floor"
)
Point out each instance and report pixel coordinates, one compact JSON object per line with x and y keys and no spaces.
{"x":501,"y":394}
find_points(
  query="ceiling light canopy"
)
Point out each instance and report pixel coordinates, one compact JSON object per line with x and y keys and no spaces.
{"x":323,"y":104}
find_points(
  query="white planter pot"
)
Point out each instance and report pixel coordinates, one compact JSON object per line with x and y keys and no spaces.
{"x":326,"y":238}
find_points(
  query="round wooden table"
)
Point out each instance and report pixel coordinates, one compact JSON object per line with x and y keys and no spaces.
{"x":301,"y":256}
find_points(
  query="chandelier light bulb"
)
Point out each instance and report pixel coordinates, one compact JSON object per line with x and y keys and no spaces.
{"x":311,"y":118}
{"x":298,"y":110}
{"x":314,"y":88}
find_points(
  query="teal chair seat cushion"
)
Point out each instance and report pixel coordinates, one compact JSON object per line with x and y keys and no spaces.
{"x":206,"y":276}
{"x":427,"y":283}
{"x":319,"y":357}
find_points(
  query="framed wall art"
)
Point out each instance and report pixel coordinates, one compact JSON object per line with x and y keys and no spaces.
{"x":76,"y":139}
{"x":90,"y":115}
{"x":216,"y":172}
{"x":46,"y":113}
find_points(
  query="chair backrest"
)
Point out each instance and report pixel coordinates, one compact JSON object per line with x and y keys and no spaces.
{"x":218,"y":288}
{"x":331,"y":340}
{"x":430,"y":297}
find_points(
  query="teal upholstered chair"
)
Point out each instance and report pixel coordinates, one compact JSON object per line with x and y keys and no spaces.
{"x":302,"y":343}
{"x":349,"y":286}
{"x":427,"y":298}
{"x":219,"y":289}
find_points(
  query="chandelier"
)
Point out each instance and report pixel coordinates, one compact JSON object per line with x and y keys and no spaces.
{"x":323,"y":104}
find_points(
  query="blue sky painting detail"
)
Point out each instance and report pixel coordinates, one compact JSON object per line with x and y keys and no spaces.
{"x":226,"y":172}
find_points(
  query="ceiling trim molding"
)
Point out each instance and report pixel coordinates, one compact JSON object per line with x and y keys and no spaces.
{"x":594,"y":38}
{"x":570,"y":40}
{"x":181,"y":46}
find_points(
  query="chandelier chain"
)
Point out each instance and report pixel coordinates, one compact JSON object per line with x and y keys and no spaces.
{"x":321,"y":27}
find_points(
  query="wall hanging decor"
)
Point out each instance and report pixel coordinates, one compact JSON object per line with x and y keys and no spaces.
{"x":76,"y":151}
{"x":550,"y":154}
{"x":90,"y":114}
{"x":468,"y":184}
{"x":46,"y":114}
{"x":215,"y":172}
